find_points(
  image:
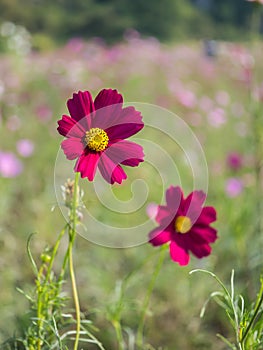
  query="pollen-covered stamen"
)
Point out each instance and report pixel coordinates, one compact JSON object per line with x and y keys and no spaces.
{"x":96,"y":139}
{"x":182,"y":224}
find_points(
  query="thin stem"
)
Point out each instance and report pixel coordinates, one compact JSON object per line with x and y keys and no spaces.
{"x":54,"y":252}
{"x":72,"y":235}
{"x":39,"y":307}
{"x":117,"y":327}
{"x":64,"y":265}
{"x":75,"y":294}
{"x":139,"y":337}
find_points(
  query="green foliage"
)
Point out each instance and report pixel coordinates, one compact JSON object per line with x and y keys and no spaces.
{"x":246,"y":320}
{"x":109,"y":19}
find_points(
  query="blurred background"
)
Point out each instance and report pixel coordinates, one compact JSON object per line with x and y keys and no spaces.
{"x":201,"y":59}
{"x":51,"y":23}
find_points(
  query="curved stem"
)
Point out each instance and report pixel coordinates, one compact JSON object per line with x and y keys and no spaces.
{"x":54,"y":252}
{"x":139,"y":337}
{"x":75,"y":295}
{"x":72,"y":235}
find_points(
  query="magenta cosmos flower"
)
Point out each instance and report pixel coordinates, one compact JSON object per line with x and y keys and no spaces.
{"x":185,"y":225}
{"x":96,"y":133}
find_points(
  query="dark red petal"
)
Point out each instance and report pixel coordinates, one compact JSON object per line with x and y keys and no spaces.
{"x":200,"y":250}
{"x":72,"y":147}
{"x":125,"y":124}
{"x":158,"y":237}
{"x":87,"y":164}
{"x":111,"y":171}
{"x":81,"y":105}
{"x":68,"y":127}
{"x":179,"y":254}
{"x":192,"y":205}
{"x":125,"y":152}
{"x":107,"y":97}
{"x":207,"y":216}
{"x":203,"y":234}
{"x":174,"y":197}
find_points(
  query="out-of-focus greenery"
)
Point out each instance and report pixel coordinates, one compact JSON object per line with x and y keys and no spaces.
{"x":109,"y":19}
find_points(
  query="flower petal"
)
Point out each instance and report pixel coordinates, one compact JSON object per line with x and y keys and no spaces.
{"x":80,"y":106}
{"x":87,"y":164}
{"x":200,"y":250}
{"x":174,"y":197}
{"x":159,"y":237}
{"x":72,"y":147}
{"x":125,"y":152}
{"x":111,"y":171}
{"x":107,"y":97}
{"x":125,"y":124}
{"x":162,"y":214}
{"x":68,"y":127}
{"x":203,"y":234}
{"x":207,"y":216}
{"x":192,"y":205}
{"x":179,"y":254}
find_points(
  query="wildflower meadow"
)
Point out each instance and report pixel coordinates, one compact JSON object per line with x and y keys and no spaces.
{"x":131,"y":195}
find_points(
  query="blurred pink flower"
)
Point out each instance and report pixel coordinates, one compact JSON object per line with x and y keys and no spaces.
{"x":25,"y":147}
{"x":10,"y":165}
{"x":234,"y":161}
{"x":233,"y":187}
{"x":75,"y":45}
{"x":152,"y":210}
{"x":186,"y":98}
{"x":217,"y":117}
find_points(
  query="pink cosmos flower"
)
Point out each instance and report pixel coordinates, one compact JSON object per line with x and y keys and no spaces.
{"x":234,"y":161}
{"x":233,"y":187}
{"x":25,"y":147}
{"x":185,"y":225}
{"x":10,"y":165}
{"x":152,"y":210}
{"x":96,"y":133}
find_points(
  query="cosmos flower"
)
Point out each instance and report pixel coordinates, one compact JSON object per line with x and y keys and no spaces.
{"x":96,"y":133}
{"x":233,"y":187}
{"x":234,"y":161}
{"x":25,"y":147}
{"x":10,"y":165}
{"x":185,"y":225}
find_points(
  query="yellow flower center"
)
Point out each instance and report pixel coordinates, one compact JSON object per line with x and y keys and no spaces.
{"x":182,"y":224}
{"x":96,"y":139}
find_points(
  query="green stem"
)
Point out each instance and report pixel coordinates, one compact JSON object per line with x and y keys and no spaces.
{"x":139,"y":337}
{"x":39,"y":307}
{"x":72,"y":236}
{"x":64,"y":266}
{"x":54,"y":252}
{"x":117,"y":327}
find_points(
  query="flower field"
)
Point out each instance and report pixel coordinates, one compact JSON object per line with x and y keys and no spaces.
{"x":218,"y":96}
